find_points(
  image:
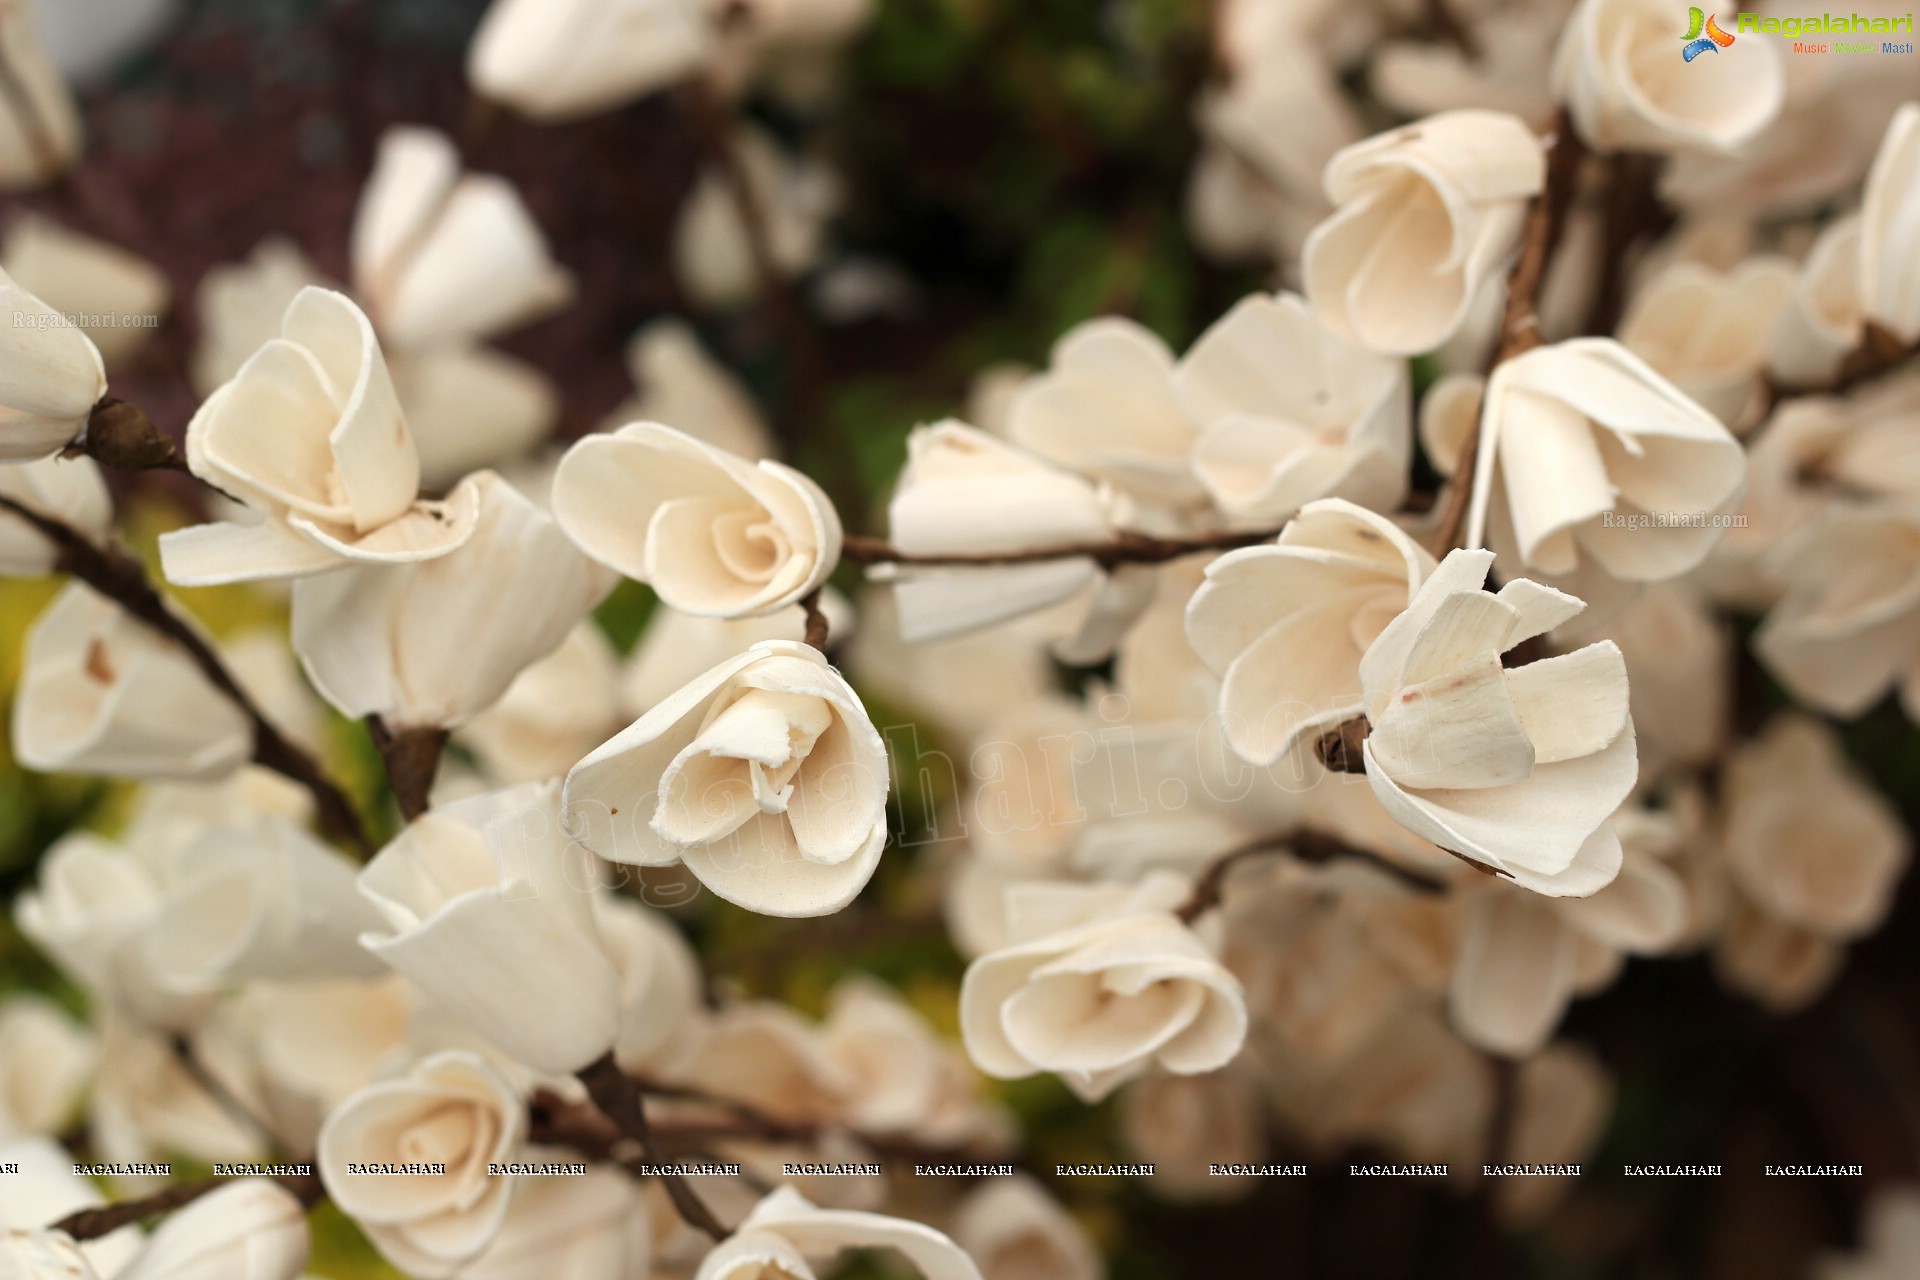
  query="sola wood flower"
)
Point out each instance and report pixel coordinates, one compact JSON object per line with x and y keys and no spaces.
{"x":560,"y":59}
{"x":712,"y":533}
{"x":1823,"y":319}
{"x":46,"y":1059}
{"x":764,"y":776}
{"x":69,"y":490}
{"x":46,"y":1189}
{"x":450,"y":1110}
{"x":43,"y":1255}
{"x":1425,"y":215}
{"x":1710,"y":332}
{"x":1098,"y":983}
{"x":1890,"y":229}
{"x":1014,"y":1229}
{"x":39,"y":124}
{"x":1284,"y":626}
{"x":784,"y":1232}
{"x":87,"y":278}
{"x":595,"y":1227}
{"x":1519,"y":769}
{"x":249,"y":1229}
{"x":51,"y":376}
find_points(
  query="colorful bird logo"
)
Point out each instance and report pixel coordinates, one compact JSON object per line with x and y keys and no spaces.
{"x":1712,"y":42}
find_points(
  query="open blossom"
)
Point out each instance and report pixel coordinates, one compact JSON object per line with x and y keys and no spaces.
{"x":69,"y":490}
{"x":436,"y":642}
{"x":1425,"y":215}
{"x":1890,"y":230}
{"x":100,"y":692}
{"x":561,"y":59}
{"x":1710,"y":332}
{"x":46,"y":1189}
{"x":677,"y":383}
{"x":712,"y":533}
{"x":1519,"y":769}
{"x":438,"y":1128}
{"x":1575,"y":436}
{"x":51,"y":374}
{"x":1284,"y":626}
{"x":488,"y":907}
{"x":596,"y":1227}
{"x":88,"y":279}
{"x":1291,"y":412}
{"x":1619,"y":73}
{"x":248,"y":1229}
{"x":310,"y":435}
{"x":785,"y":1232}
{"x":1014,"y":1230}
{"x":764,"y":776}
{"x":660,"y":988}
{"x":39,"y":124}
{"x":1096,"y":984}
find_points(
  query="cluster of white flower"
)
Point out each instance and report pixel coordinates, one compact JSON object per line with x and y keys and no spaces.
{"x":1362,"y":786}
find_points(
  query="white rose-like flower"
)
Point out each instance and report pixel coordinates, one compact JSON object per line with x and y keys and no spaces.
{"x":660,"y":987}
{"x":250,"y":1229}
{"x":69,"y":490}
{"x":1620,"y":73}
{"x":40,"y":130}
{"x":764,"y":776}
{"x":489,"y":910}
{"x":1425,"y":215}
{"x":596,"y":1227}
{"x":784,"y":1231}
{"x":46,"y":1059}
{"x":438,"y":254}
{"x":1284,"y":625}
{"x":561,"y":59}
{"x":1890,"y":229}
{"x":1710,"y":332}
{"x":1096,"y":984}
{"x":1291,"y":413}
{"x":1583,"y":440}
{"x":51,"y":374}
{"x":309,"y":434}
{"x":42,"y":1255}
{"x":451,"y":1110}
{"x":436,"y":642}
{"x":240,"y":306}
{"x":1519,"y":770}
{"x":100,"y":692}
{"x":1014,"y":1230}
{"x":712,"y":533}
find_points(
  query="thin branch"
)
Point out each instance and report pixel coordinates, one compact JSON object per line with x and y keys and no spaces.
{"x":215,"y":1088}
{"x":1309,"y":846}
{"x":121,"y":578}
{"x":818,"y":628}
{"x":121,"y":436}
{"x":1520,"y":323}
{"x":1880,"y":351}
{"x":1631,"y":211}
{"x":412,"y":759}
{"x":1125,"y":547}
{"x":91,"y":1224}
{"x":618,"y":1098}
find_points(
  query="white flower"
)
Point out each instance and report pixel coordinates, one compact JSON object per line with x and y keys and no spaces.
{"x":1014,"y":1230}
{"x":470,"y":406}
{"x":39,"y":124}
{"x":796,"y":195}
{"x":46,"y":1189}
{"x":1619,"y":71}
{"x":453,"y":1111}
{"x":42,"y":1255}
{"x":555,"y":711}
{"x":51,"y":374}
{"x":1710,"y":332}
{"x":764,"y":776}
{"x":146,"y":1105}
{"x":680,"y":385}
{"x":100,"y":692}
{"x":1582,"y":434}
{"x":560,"y":59}
{"x":83,"y":277}
{"x":1106,"y":408}
{"x":764,"y":1055}
{"x":240,"y":306}
{"x":1096,"y":984}
{"x":1677,"y":652}
{"x":309,"y":434}
{"x":69,"y":490}
{"x":1426,"y":214}
{"x":1284,"y":626}
{"x":46,"y":1059}
{"x":1518,"y":770}
{"x":595,"y":1227}
{"x":249,"y":1229}
{"x":1890,"y":230}
{"x":660,"y":985}
{"x":784,"y":1231}
{"x":1823,"y":320}
{"x":489,"y":910}
{"x":901,"y":1076}
{"x":436,"y":642}
{"x":440,"y":255}
{"x":1890,"y":1240}
{"x":678,"y":646}
{"x":710,"y":532}
{"x":1291,"y":413}
{"x":1186,"y":1126}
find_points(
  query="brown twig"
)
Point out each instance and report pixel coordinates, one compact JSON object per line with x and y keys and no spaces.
{"x":1880,"y":351}
{"x":818,"y":628}
{"x":1520,"y":322}
{"x":1125,"y":547}
{"x":412,"y":759}
{"x":1309,"y":846}
{"x":216,"y":1089}
{"x":1632,"y":210}
{"x":618,"y":1098}
{"x":91,"y":1224}
{"x":121,"y":578}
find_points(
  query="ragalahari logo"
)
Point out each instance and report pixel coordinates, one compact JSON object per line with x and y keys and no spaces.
{"x":1712,"y":41}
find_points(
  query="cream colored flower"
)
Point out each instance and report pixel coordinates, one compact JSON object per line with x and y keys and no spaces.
{"x":678,"y":384}
{"x":784,"y":1231}
{"x":1617,"y":72}
{"x":436,"y":642}
{"x":712,"y":533}
{"x":69,"y":490}
{"x":1425,"y":215}
{"x":102,"y":693}
{"x":1186,"y":1125}
{"x":1290,"y":413}
{"x":310,"y":435}
{"x":797,"y":196}
{"x":1562,"y":1102}
{"x":1677,"y":652}
{"x":469,"y":406}
{"x":1709,"y":332}
{"x":764,"y":776}
{"x":901,"y":1077}
{"x":764,"y":1055}
{"x":451,"y":1116}
{"x":555,"y":711}
{"x":595,"y":1227}
{"x":46,"y":1059}
{"x":1507,"y":70}
{"x":660,"y":983}
{"x":1781,"y":965}
{"x":1890,"y":230}
{"x":40,"y":131}
{"x":248,"y":1229}
{"x":1096,"y":984}
{"x":1518,"y":770}
{"x":1848,"y":628}
{"x":123,"y":294}
{"x":1890,"y":1240}
{"x":1824,"y":318}
{"x":489,"y":910}
{"x":678,"y":646}
{"x":561,"y":59}
{"x":240,"y":306}
{"x":46,"y":1189}
{"x":146,"y":1106}
{"x":1284,"y":626}
{"x":1014,"y":1230}
{"x":43,"y":1255}
{"x":51,"y":374}
{"x":1584,"y":443}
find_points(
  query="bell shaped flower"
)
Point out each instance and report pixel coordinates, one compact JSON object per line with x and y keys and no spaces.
{"x":51,"y":374}
{"x":69,"y":490}
{"x":1515,"y":769}
{"x":1890,"y":230}
{"x":563,"y":59}
{"x":764,"y":776}
{"x":660,"y":984}
{"x":1824,"y":318}
{"x":248,"y":1229}
{"x":40,"y":131}
{"x":711,"y":533}
{"x":1424,"y":216}
{"x":784,"y":1233}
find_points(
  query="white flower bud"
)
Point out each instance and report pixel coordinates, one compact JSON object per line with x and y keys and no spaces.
{"x":1890,"y":230}
{"x":561,"y":59}
{"x":251,"y":1229}
{"x":51,"y":374}
{"x":81,"y":276}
